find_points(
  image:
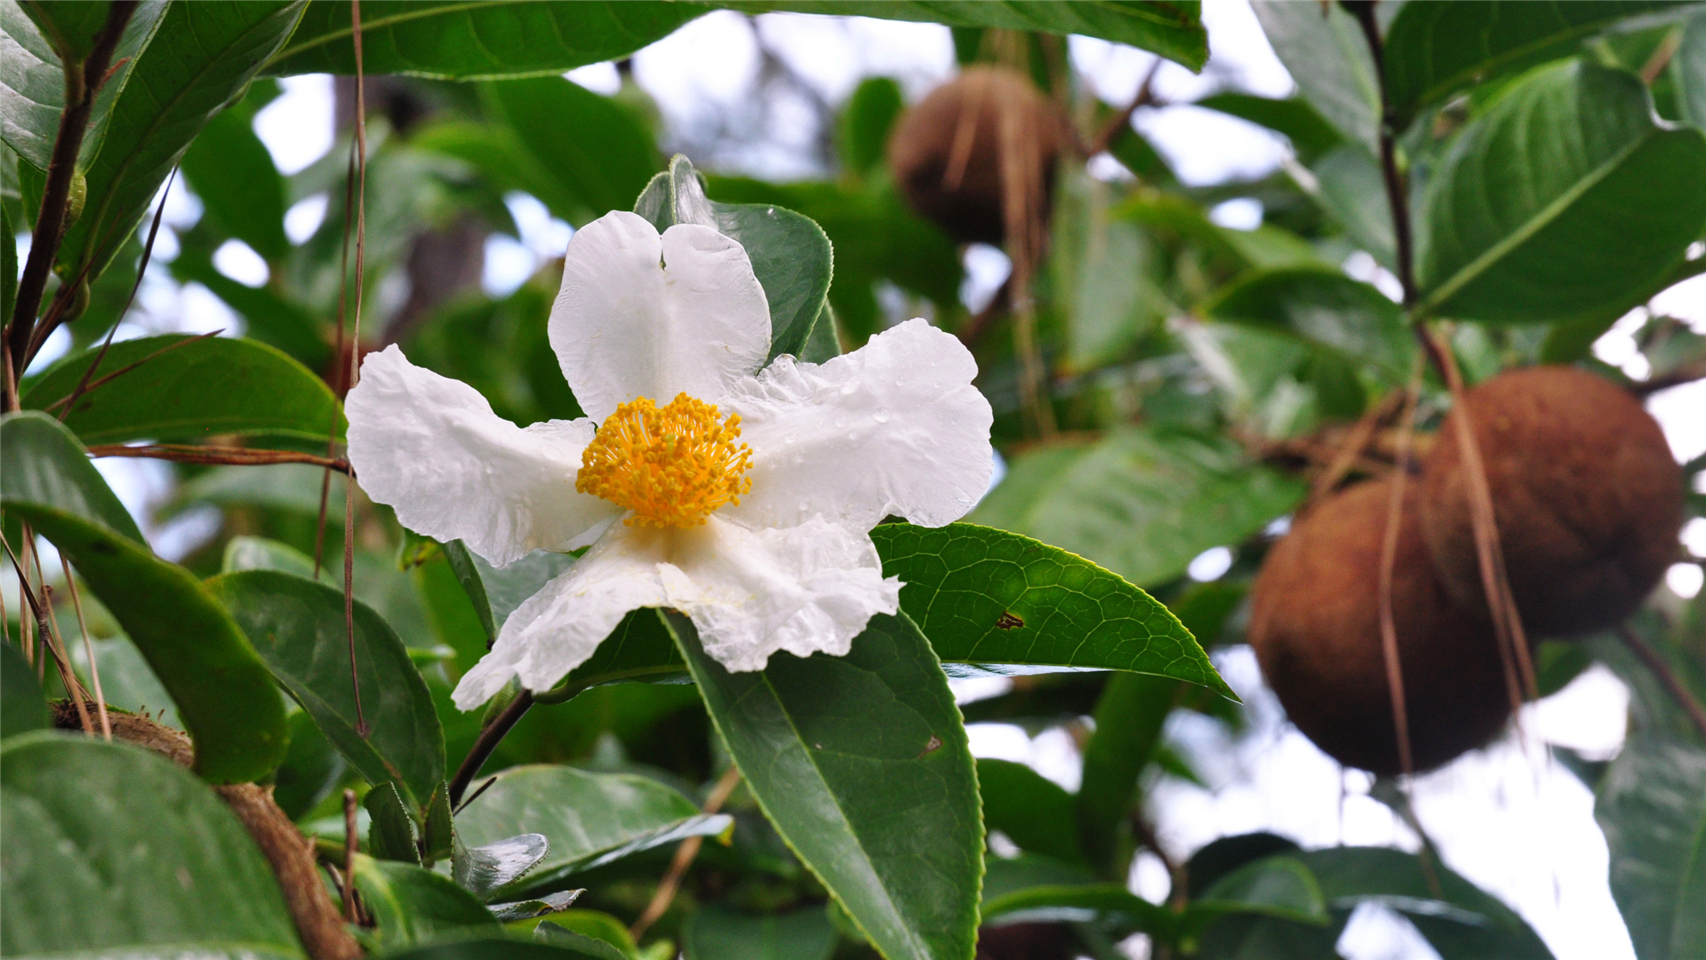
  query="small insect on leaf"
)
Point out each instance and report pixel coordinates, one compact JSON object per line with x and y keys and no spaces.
{"x":934,"y":744}
{"x":1008,"y":621}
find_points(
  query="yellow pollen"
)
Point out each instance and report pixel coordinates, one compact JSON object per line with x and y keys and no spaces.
{"x":672,"y":466}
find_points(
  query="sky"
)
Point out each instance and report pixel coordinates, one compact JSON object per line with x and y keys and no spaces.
{"x":1508,"y":817}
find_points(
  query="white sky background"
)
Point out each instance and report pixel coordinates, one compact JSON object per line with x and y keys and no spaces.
{"x":1509,"y":819}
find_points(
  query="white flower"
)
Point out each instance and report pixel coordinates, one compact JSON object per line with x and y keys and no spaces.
{"x":743,"y":498}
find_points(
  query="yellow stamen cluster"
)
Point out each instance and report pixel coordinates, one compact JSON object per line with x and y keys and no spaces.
{"x":672,"y":466}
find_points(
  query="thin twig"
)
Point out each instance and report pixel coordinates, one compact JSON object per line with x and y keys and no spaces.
{"x":355,"y":351}
{"x":232,"y":456}
{"x":81,"y":86}
{"x":88,"y":647}
{"x":1667,"y":678}
{"x":1396,"y":197}
{"x":1116,"y":124}
{"x":141,"y":270}
{"x":62,"y":660}
{"x":70,"y":400}
{"x":338,"y":385}
{"x":684,"y":856}
{"x":485,"y":743}
{"x":1687,"y":373}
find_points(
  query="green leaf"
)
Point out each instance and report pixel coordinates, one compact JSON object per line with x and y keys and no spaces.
{"x":1688,"y":71}
{"x":259,"y":553}
{"x":715,"y":933}
{"x":216,"y":385}
{"x":588,"y":818}
{"x":32,"y":82}
{"x":1141,"y":502}
{"x":113,"y":850}
{"x":298,"y":627}
{"x":1435,"y":49}
{"x":557,"y":935}
{"x":1128,"y":728}
{"x":438,"y":835}
{"x":232,"y":173}
{"x":480,"y":40}
{"x":1324,"y":49}
{"x":1349,"y":186}
{"x":22,"y":707}
{"x":412,"y":905}
{"x":1324,"y":307}
{"x":1565,"y":197}
{"x":595,"y":925}
{"x":1652,"y":807}
{"x":310,"y":771}
{"x":865,"y":123}
{"x":45,"y":465}
{"x":202,"y":59}
{"x":1310,"y":134}
{"x":1032,"y":810}
{"x":1106,"y":273}
{"x":1276,"y":886}
{"x":71,"y":28}
{"x":1110,"y":903}
{"x":987,"y":596}
{"x":589,"y":153}
{"x":390,"y":831}
{"x":484,"y":870}
{"x":221,"y":688}
{"x":790,"y":254}
{"x":1172,"y":28}
{"x":862,"y":765}
{"x":496,"y":948}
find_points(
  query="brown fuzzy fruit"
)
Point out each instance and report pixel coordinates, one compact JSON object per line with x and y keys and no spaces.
{"x":946,"y":151}
{"x":1586,"y":497}
{"x":1315,"y":624}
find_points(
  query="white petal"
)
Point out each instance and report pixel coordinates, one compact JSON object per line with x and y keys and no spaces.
{"x":641,"y":315}
{"x":558,"y":628}
{"x":805,"y":589}
{"x":432,"y":449}
{"x":894,"y":427}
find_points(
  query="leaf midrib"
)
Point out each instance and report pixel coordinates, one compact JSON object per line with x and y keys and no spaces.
{"x":1471,"y":271}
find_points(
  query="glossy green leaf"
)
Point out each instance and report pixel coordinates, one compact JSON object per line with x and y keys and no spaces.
{"x":1110,"y":903}
{"x":202,"y":59}
{"x":589,"y":153}
{"x":1128,"y":729}
{"x":486,"y":869}
{"x":213,"y":386}
{"x":412,"y":905}
{"x":231,"y":172}
{"x":390,"y":830}
{"x":1324,"y":49}
{"x":32,"y":82}
{"x":1435,"y":49}
{"x":438,"y":833}
{"x":310,"y":771}
{"x":298,"y":627}
{"x":1032,"y":810}
{"x":587,"y":818}
{"x":1565,"y":197}
{"x":716,"y":933}
{"x":222,"y":690}
{"x":987,"y":596}
{"x":862,"y":765}
{"x":1652,"y":807}
{"x":22,"y":707}
{"x":560,"y":936}
{"x":481,"y":40}
{"x":71,"y":28}
{"x":259,"y":553}
{"x":1141,"y":502}
{"x":790,"y":254}
{"x":1324,"y":307}
{"x":593,"y":925}
{"x":1172,"y":28}
{"x":112,"y":850}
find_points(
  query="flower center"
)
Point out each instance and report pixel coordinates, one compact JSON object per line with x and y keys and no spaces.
{"x":672,"y":466}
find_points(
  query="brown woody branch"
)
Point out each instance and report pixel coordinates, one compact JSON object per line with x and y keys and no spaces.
{"x":234,"y":456}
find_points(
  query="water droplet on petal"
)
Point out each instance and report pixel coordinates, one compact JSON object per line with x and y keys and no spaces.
{"x":881,"y":416}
